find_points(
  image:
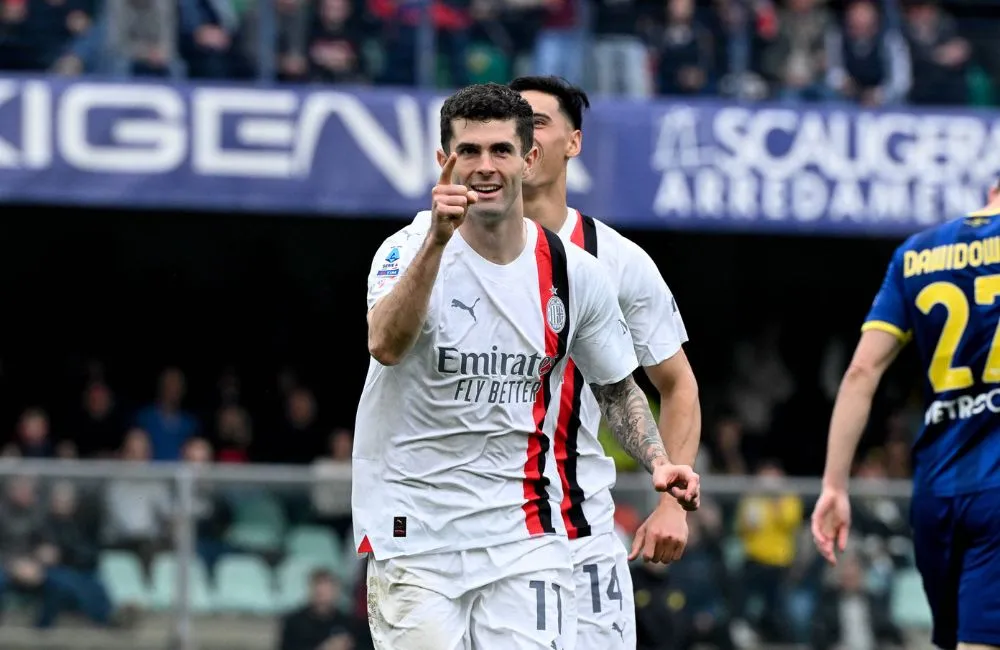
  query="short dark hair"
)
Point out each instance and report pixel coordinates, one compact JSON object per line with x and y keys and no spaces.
{"x":486,"y":102}
{"x":573,"y":101}
{"x":322,"y":575}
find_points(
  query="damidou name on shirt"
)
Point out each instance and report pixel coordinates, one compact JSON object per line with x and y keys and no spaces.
{"x":495,"y":377}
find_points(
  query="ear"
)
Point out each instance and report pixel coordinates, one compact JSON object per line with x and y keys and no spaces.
{"x":530,"y":159}
{"x":442,"y":157}
{"x":575,"y":144}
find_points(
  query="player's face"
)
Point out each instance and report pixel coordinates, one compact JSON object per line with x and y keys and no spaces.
{"x":555,"y":138}
{"x":491,"y":163}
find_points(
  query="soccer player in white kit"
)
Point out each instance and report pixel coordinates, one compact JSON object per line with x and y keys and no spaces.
{"x":605,"y":603}
{"x":473,"y":313}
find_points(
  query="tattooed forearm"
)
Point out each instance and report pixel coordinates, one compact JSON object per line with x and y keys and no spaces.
{"x":625,"y":408}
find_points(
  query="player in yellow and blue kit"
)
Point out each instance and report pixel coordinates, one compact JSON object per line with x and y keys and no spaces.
{"x":942,"y":290}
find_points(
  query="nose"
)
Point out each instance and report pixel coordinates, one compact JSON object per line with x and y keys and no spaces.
{"x":484,"y":166}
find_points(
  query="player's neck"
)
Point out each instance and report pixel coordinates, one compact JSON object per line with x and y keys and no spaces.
{"x":499,"y":241}
{"x":546,"y":205}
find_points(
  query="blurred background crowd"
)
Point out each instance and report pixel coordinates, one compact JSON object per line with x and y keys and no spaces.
{"x":874,"y":52}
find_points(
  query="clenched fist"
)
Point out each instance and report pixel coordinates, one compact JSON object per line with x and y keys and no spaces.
{"x":449,"y":204}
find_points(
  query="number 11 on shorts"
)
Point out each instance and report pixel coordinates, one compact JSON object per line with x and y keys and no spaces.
{"x":539,"y":587}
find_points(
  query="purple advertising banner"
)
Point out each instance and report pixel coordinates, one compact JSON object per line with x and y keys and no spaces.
{"x":332,"y":151}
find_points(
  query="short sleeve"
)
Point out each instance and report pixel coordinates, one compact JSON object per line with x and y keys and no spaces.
{"x":650,"y":310}
{"x":389,"y":263}
{"x":889,"y":310}
{"x":602,"y":348}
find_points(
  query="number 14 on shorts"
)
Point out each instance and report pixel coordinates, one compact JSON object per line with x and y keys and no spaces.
{"x":613,"y":591}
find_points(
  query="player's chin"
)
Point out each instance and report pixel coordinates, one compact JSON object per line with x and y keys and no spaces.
{"x":488,"y":210}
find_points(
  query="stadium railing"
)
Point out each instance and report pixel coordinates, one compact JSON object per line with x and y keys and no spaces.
{"x":272,"y":539}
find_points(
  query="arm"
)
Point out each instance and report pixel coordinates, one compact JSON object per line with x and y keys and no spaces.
{"x":395,"y":320}
{"x":626,"y":409}
{"x":680,"y":412}
{"x":875,"y":353}
{"x":658,"y":332}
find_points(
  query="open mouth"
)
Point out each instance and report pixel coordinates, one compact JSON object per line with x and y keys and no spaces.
{"x":486,"y":190}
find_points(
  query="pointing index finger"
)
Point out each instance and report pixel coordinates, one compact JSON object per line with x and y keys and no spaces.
{"x":448,"y":169}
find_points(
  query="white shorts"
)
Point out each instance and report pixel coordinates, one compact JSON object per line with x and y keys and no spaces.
{"x":517,"y":596}
{"x":605,"y":601}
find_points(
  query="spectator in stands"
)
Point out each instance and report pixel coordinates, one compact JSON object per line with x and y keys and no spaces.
{"x":33,"y":436}
{"x":129,"y":36}
{"x":897,"y":458}
{"x":621,"y":58}
{"x":769,"y":526}
{"x":302,"y":439}
{"x":939,"y":54}
{"x":879,"y":517}
{"x":561,"y":45}
{"x":848,"y":616}
{"x":137,"y":511}
{"x":869,"y":63}
{"x":99,"y":430}
{"x":212,"y":514}
{"x":37,"y":32}
{"x":208,"y":28}
{"x":330,"y":501}
{"x":400,"y":21}
{"x":166,"y":423}
{"x":234,"y":433}
{"x":691,"y":594}
{"x":685,"y":51}
{"x":760,"y":380}
{"x":292,"y":24}
{"x":336,"y":44}
{"x":727,"y":446}
{"x":795,"y":61}
{"x":72,"y":563}
{"x":22,"y":548}
{"x":320,"y":624}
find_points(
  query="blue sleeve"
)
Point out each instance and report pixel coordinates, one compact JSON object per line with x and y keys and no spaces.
{"x":889,"y":311}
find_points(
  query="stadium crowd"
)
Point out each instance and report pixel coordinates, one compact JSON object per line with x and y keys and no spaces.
{"x":865,"y":51}
{"x":770,"y":583}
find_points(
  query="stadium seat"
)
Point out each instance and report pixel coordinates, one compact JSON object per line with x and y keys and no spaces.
{"x":259,"y":522}
{"x":314,"y":542}
{"x":121,"y":574}
{"x":733,"y":553}
{"x":164,"y":584}
{"x":909,"y":604}
{"x":243,"y":585}
{"x":293,"y":579}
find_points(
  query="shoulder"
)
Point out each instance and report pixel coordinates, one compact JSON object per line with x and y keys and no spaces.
{"x":407,"y":238}
{"x":624,"y":258}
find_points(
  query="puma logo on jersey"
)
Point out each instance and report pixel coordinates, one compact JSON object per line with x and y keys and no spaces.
{"x":617,"y":628}
{"x":455,"y":302}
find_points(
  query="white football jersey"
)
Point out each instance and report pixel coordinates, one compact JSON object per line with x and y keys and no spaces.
{"x":585,"y":472}
{"x":452,"y":445}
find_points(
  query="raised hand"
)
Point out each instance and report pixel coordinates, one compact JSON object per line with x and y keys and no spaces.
{"x":449,"y":203}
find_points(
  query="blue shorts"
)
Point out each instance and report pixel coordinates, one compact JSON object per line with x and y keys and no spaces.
{"x":957,"y":546}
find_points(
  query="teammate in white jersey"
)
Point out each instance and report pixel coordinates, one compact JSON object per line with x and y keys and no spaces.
{"x":473,"y":312}
{"x":605,"y":607}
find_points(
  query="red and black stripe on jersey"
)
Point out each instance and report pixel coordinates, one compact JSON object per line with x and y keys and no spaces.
{"x":568,"y":428}
{"x":553,"y":280}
